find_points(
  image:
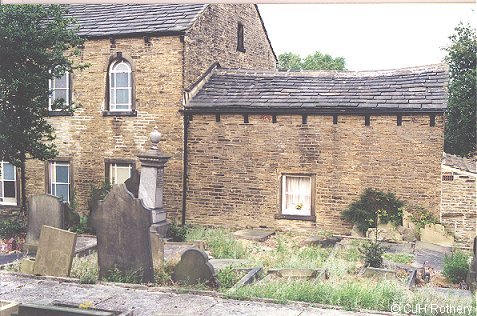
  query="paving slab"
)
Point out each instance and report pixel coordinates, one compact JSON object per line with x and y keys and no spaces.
{"x":144,"y":302}
{"x":253,"y":234}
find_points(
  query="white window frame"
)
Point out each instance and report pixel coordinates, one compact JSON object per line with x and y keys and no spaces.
{"x":112,"y":90}
{"x":53,"y":88}
{"x":8,"y":201}
{"x":305,"y":212}
{"x":113,"y":170}
{"x":52,"y":177}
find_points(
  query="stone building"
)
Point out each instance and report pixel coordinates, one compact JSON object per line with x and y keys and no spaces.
{"x":250,"y":147}
{"x":141,"y":58}
{"x":293,"y":150}
{"x":459,"y":197}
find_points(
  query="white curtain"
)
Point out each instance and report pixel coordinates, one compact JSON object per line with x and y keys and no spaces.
{"x":297,"y":195}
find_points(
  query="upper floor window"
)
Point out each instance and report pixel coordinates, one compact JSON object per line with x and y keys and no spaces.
{"x":60,"y":90}
{"x":8,"y":184}
{"x":120,"y":86}
{"x":240,"y":38}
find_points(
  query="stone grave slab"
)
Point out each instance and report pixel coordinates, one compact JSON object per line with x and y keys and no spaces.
{"x":43,"y":209}
{"x":253,"y":234}
{"x":194,"y":268}
{"x":436,"y":234}
{"x":433,"y":254}
{"x":85,"y":245}
{"x":371,"y":272}
{"x":296,"y":274}
{"x":55,"y":252}
{"x":321,"y":241}
{"x":122,"y":228}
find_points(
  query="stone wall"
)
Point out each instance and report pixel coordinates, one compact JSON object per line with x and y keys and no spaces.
{"x":235,"y":168}
{"x":458,"y":208}
{"x":88,"y":137}
{"x":213,"y":38}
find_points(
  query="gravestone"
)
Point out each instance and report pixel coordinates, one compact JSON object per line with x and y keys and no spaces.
{"x":55,"y":252}
{"x":122,"y":225}
{"x":472,"y":275}
{"x":194,"y":268}
{"x":43,"y":209}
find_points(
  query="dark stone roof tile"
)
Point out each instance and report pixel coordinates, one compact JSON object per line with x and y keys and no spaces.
{"x":102,"y":20}
{"x":420,"y":88}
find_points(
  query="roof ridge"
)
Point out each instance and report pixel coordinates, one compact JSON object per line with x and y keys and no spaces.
{"x":338,"y":73}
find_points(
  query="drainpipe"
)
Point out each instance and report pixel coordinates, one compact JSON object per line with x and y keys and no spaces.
{"x":184,"y":169}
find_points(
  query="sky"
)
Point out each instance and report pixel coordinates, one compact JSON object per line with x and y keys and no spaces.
{"x":368,"y":36}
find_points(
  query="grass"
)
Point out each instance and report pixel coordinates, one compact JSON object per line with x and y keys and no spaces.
{"x":85,"y":269}
{"x":228,"y":277}
{"x":287,"y":254}
{"x":220,"y":242}
{"x":401,"y":257}
{"x":351,"y":295}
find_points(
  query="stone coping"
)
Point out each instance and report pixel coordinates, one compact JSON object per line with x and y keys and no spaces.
{"x":196,"y":292}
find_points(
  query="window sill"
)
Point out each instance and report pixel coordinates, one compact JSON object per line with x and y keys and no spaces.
{"x":59,"y":113}
{"x":119,"y":113}
{"x":296,"y":217}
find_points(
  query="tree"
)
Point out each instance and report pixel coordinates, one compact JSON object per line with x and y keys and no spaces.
{"x":36,"y":43}
{"x":460,"y":130}
{"x":315,"y":61}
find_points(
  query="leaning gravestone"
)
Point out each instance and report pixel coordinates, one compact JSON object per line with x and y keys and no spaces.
{"x":55,"y":252}
{"x":122,"y":229}
{"x":43,"y":209}
{"x":194,"y":268}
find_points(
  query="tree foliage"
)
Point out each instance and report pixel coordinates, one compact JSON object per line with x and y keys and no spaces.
{"x":460,"y":133}
{"x":315,"y":61}
{"x":36,"y":43}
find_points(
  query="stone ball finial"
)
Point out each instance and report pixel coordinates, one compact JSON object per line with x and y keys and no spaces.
{"x":155,"y":137}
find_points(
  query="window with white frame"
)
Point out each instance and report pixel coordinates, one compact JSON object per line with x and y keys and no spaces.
{"x":296,"y":195}
{"x":120,"y":86}
{"x":119,"y":172}
{"x":59,"y":179}
{"x":8,"y":184}
{"x":60,"y":89}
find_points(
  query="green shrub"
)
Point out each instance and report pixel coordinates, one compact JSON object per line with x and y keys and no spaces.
{"x":82,"y":227}
{"x":372,"y":253}
{"x":177,"y":232}
{"x":220,"y":242}
{"x":11,"y":228}
{"x":456,"y":266}
{"x":372,"y":202}
{"x":421,"y":217}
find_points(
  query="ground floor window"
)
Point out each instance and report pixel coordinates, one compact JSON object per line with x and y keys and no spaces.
{"x":8,"y":184}
{"x":296,"y":195}
{"x":119,"y":172}
{"x":59,"y":179}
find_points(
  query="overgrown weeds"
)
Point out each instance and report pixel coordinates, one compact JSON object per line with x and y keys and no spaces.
{"x":220,"y":242}
{"x":85,"y":269}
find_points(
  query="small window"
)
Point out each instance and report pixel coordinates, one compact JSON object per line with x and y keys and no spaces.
{"x":448,"y":176}
{"x":59,"y":90}
{"x":120,"y":86}
{"x":8,"y":184}
{"x":240,"y":38}
{"x":119,"y":172}
{"x":296,"y":195}
{"x":59,"y":179}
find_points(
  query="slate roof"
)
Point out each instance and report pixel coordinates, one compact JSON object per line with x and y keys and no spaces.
{"x":419,"y":89}
{"x":104,"y":20}
{"x":465,"y":164}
